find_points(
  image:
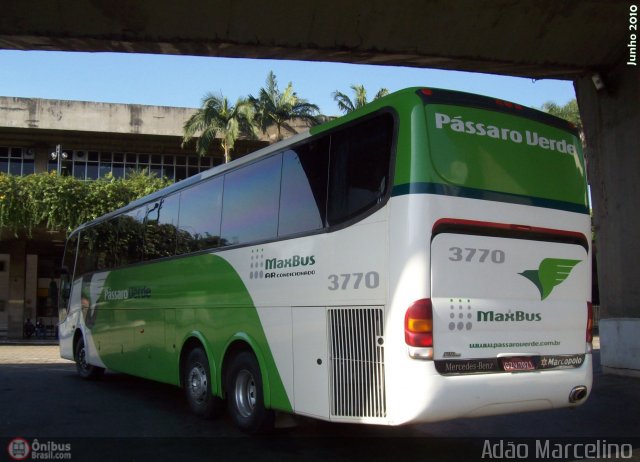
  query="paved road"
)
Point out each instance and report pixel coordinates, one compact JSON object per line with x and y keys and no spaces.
{"x":133,"y":419}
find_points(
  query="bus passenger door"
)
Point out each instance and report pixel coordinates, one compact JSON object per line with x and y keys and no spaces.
{"x":310,"y":373}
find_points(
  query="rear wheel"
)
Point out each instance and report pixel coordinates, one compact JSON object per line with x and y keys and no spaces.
{"x":197,"y":385}
{"x":85,"y":370}
{"x":245,"y":395}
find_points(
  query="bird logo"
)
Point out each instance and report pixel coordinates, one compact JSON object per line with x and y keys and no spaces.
{"x":551,"y":273}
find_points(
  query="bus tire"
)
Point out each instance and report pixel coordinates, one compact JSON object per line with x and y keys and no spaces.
{"x":197,"y":385}
{"x":85,"y":370}
{"x":245,"y":395}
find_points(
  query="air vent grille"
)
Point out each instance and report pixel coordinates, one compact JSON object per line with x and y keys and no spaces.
{"x":357,"y":362}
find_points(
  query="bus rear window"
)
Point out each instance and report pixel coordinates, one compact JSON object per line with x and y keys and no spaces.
{"x":482,"y":151}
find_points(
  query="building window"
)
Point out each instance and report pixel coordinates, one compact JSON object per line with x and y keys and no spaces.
{"x":91,"y":165}
{"x":16,"y":161}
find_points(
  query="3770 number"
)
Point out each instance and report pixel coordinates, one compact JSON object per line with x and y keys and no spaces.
{"x":469,"y":254}
{"x":370,"y":280}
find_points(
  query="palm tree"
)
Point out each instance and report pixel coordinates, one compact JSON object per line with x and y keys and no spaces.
{"x":347,"y":105}
{"x":275,"y":107}
{"x":218,"y":117}
{"x":568,"y":112}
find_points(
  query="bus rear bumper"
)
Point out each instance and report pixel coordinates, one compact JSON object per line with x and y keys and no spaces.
{"x":431,"y":397}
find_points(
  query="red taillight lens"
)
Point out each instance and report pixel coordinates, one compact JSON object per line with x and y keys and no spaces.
{"x":589,"y":322}
{"x":418,"y":324}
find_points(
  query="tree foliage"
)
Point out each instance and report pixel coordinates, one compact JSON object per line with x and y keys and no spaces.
{"x":275,"y":107}
{"x":61,"y":203}
{"x":347,"y":105}
{"x":218,"y":117}
{"x":568,"y":112}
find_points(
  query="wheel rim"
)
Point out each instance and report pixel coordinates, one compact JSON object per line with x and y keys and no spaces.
{"x":198,"y":383}
{"x":245,"y":393}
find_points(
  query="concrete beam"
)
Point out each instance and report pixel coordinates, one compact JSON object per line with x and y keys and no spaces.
{"x":536,"y":38}
{"x":158,"y":127}
{"x":133,"y":119}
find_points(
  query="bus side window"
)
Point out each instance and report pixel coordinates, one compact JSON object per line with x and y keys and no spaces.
{"x":359,"y":168}
{"x":303,"y":197}
{"x":86,"y":261}
{"x":105,"y":238}
{"x":250,"y":203}
{"x":199,"y":221}
{"x":161,"y":227}
{"x":131,"y":237}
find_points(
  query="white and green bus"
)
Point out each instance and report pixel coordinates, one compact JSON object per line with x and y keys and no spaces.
{"x":427,"y":257}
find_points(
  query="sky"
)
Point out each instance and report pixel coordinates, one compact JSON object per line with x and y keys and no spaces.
{"x":182,"y":81}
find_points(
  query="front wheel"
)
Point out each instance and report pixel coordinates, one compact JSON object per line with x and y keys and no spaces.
{"x":85,"y":370}
{"x":245,"y":395}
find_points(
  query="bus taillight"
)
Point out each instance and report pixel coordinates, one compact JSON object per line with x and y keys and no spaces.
{"x":418,"y":324}
{"x":589,"y":322}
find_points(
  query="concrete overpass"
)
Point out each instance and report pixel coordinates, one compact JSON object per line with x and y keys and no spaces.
{"x":585,"y":41}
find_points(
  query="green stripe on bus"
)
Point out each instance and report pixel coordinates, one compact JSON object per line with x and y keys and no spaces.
{"x":174,"y":298}
{"x":471,"y":193}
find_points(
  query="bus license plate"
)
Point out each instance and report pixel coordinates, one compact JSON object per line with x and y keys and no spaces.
{"x":517,"y":364}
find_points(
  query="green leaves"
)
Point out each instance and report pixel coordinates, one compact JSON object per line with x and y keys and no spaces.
{"x":62,"y":203}
{"x":347,"y":105}
{"x":277,"y":108}
{"x":218,"y":120}
{"x":569,"y":112}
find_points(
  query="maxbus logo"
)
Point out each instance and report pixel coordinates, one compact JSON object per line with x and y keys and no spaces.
{"x":510,"y":316}
{"x":293,"y":262}
{"x":260,"y":264}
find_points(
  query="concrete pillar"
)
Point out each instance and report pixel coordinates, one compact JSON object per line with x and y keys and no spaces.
{"x":41,"y":159}
{"x":15,"y":307}
{"x":611,"y":119}
{"x":4,"y":292}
